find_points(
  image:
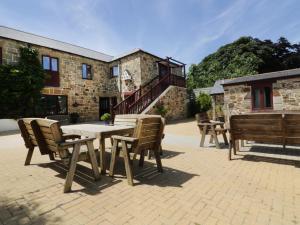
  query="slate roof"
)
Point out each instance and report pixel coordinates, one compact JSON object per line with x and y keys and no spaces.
{"x":18,"y":35}
{"x":264,"y":76}
{"x":218,"y":87}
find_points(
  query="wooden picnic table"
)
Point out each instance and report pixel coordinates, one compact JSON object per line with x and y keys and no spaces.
{"x":100,"y":132}
{"x":211,"y":129}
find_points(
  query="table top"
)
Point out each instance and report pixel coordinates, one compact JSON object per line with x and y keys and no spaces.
{"x":95,"y":130}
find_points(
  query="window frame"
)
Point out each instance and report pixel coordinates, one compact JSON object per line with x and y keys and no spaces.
{"x":50,"y":64}
{"x":55,"y":79}
{"x":87,"y":77}
{"x":260,"y":86}
{"x":57,"y":104}
{"x":112,"y":71}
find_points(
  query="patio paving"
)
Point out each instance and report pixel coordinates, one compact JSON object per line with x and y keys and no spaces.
{"x":198,"y":186}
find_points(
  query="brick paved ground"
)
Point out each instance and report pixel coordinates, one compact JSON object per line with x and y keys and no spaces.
{"x":199,"y":186}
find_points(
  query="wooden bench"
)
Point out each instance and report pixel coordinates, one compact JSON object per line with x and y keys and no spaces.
{"x":266,"y":128}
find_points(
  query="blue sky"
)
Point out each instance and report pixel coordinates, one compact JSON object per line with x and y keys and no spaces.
{"x":187,"y":30}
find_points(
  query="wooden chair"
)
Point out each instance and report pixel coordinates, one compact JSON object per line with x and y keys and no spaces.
{"x":49,"y":136}
{"x":131,"y":120}
{"x":209,"y":127}
{"x":31,"y":142}
{"x":147,"y":136}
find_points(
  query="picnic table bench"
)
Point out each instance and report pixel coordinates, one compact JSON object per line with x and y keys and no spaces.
{"x":269,"y":128}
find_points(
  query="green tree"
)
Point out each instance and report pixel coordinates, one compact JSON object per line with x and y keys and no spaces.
{"x":21,"y":84}
{"x":244,"y":56}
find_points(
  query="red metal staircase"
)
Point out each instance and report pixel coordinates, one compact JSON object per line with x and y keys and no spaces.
{"x":141,"y":98}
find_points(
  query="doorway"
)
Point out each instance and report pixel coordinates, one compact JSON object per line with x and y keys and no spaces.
{"x":106,"y":105}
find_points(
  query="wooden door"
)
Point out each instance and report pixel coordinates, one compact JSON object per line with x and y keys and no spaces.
{"x":104,"y":106}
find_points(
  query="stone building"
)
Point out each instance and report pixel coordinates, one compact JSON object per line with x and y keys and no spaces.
{"x":78,"y":79}
{"x":267,"y":92}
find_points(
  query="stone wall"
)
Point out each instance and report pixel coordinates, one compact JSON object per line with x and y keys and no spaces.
{"x":84,"y":92}
{"x":175,"y":100}
{"x":286,"y":96}
{"x":148,"y":67}
{"x":237,"y":99}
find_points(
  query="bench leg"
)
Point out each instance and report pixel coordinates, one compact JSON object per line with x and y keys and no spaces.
{"x":230,"y":148}
{"x":142,"y":157}
{"x":113,"y":157}
{"x":72,"y":168}
{"x":102,"y":156}
{"x":235,"y":146}
{"x":93,"y":159}
{"x":128,"y":168}
{"x":29,"y":156}
{"x":225,"y":138}
{"x":158,"y":161}
{"x":51,"y":156}
{"x":242,"y":143}
{"x":211,"y":139}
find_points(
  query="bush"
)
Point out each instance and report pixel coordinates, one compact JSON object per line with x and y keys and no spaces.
{"x":105,"y":117}
{"x":204,"y":102}
{"x":161,"y":109}
{"x":21,"y":85}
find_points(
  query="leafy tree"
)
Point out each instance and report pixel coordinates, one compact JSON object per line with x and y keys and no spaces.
{"x":204,"y":102}
{"x":21,"y":85}
{"x":244,"y":56}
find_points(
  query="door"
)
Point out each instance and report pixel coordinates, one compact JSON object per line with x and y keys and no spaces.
{"x":163,"y":72}
{"x":104,"y":106}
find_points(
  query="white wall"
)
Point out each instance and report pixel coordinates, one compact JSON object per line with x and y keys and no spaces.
{"x":8,"y":125}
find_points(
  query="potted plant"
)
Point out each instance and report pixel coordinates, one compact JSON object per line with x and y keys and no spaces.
{"x":74,"y":117}
{"x":106,"y":117}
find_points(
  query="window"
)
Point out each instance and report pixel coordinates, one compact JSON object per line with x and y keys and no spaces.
{"x":50,"y":63}
{"x":87,"y":72}
{"x":262,"y":96}
{"x":54,"y":105}
{"x":51,"y":66}
{"x":114,"y":71}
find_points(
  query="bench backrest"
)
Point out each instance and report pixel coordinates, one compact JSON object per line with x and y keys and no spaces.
{"x":149,"y":132}
{"x":49,"y":135}
{"x":126,"y":119}
{"x":202,"y":118}
{"x":268,"y":128}
{"x":27,"y":133}
{"x":131,"y":119}
{"x":292,"y":128}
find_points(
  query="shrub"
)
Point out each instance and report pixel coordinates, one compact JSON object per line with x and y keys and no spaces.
{"x":21,"y":85}
{"x":105,"y":117}
{"x":161,"y":109}
{"x":204,"y":102}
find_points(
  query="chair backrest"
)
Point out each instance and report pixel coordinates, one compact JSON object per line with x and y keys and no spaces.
{"x":202,"y":118}
{"x":27,"y":132}
{"x":149,"y":132}
{"x":266,"y":128}
{"x":126,"y":119}
{"x":292,"y":128}
{"x":48,"y":134}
